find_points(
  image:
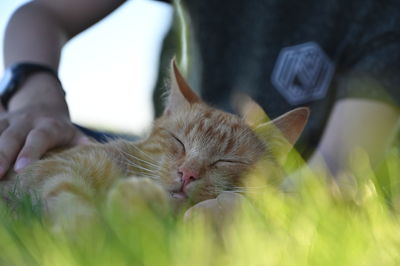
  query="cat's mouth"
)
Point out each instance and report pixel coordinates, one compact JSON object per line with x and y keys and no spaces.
{"x":179,"y":193}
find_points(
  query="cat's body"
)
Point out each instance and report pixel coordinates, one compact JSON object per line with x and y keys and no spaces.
{"x":193,"y":153}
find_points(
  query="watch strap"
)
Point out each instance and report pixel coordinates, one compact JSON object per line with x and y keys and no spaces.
{"x":19,"y":73}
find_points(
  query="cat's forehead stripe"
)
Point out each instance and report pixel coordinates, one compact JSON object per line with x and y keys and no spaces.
{"x":229,"y":145}
{"x":209,"y":127}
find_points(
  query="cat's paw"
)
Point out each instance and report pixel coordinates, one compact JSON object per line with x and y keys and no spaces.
{"x":217,"y":211}
{"x":71,"y":215}
{"x":133,"y":196}
{"x":76,"y":223}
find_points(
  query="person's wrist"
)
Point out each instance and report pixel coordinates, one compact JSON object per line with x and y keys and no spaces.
{"x":39,"y":88}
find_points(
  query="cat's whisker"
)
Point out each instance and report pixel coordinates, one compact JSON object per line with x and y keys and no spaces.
{"x":252,"y":188}
{"x":153,"y":177}
{"x":137,"y":158}
{"x":240,"y":191}
{"x":143,"y":152}
{"x":159,"y":170}
{"x":245,"y":190}
{"x":130,"y":171}
{"x":218,"y":187}
{"x":150,"y":172}
{"x":156,"y":172}
{"x":130,"y":162}
{"x":140,"y":167}
{"x":133,"y":163}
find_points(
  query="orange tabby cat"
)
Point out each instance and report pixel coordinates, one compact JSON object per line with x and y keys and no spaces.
{"x":193,"y":153}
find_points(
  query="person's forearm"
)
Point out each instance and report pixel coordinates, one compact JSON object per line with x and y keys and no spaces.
{"x":38,"y":30}
{"x":34,"y":34}
{"x":354,"y":124}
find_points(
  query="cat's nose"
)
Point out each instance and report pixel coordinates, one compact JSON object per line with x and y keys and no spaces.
{"x":188,"y":175}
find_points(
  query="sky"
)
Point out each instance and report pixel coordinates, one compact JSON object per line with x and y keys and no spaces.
{"x":109,"y":70}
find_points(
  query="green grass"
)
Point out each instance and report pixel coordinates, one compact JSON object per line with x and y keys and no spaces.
{"x":316,"y":223}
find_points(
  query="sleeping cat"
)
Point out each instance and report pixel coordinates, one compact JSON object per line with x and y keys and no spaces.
{"x":193,"y":153}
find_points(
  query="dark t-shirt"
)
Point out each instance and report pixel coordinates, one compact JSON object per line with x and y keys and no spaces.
{"x":289,"y":53}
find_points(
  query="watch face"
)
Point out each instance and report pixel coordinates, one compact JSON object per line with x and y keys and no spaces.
{"x":5,"y":81}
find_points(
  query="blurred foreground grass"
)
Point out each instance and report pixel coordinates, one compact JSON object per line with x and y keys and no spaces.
{"x":316,"y":223}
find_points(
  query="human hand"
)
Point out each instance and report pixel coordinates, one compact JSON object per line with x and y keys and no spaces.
{"x":217,"y":211}
{"x":34,"y":125}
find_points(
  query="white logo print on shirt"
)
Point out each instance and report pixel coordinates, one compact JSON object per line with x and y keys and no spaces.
{"x":302,"y":73}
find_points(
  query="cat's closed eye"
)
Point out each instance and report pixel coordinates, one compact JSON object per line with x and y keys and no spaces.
{"x":178,"y":141}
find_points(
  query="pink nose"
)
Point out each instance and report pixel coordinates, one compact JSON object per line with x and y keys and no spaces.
{"x":188,"y":175}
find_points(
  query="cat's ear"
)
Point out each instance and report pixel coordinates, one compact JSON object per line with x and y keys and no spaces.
{"x":249,"y":110}
{"x":282,"y":133}
{"x":180,"y":93}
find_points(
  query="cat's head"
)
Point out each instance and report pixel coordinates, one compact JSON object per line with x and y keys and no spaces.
{"x":204,"y":151}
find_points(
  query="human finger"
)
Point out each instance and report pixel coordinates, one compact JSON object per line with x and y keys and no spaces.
{"x":3,"y":124}
{"x":46,"y":135}
{"x":81,"y":139}
{"x":37,"y":143}
{"x":11,"y":141}
{"x":204,"y":208}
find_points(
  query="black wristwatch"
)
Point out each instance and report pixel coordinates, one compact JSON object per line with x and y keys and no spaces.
{"x":16,"y":74}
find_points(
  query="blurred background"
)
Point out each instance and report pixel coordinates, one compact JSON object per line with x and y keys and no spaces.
{"x":109,"y":71}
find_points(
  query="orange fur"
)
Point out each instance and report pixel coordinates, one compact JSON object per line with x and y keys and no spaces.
{"x":217,"y":146}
